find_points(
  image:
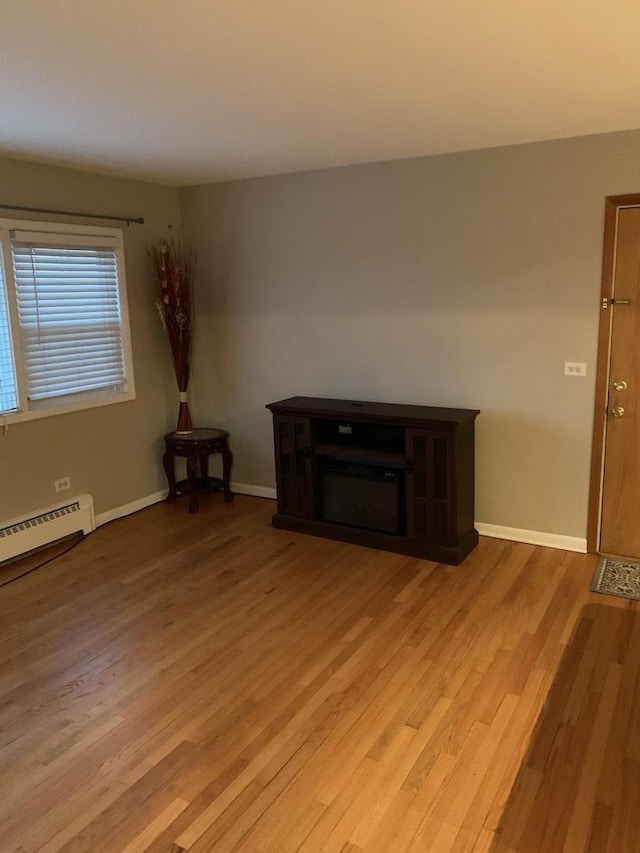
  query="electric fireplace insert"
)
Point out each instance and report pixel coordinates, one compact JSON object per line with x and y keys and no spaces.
{"x":362,"y":494}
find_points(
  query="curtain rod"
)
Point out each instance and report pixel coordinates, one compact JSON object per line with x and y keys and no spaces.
{"x":138,"y":220}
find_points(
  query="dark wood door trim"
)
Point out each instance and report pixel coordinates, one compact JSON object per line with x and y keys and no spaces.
{"x":612,"y":206}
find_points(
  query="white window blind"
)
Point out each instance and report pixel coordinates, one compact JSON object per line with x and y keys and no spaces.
{"x":69,"y":314}
{"x":8,"y":392}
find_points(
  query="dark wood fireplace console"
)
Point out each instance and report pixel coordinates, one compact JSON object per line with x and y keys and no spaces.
{"x":389,"y":476}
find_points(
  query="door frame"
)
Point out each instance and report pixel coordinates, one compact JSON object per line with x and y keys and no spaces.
{"x":613,"y":204}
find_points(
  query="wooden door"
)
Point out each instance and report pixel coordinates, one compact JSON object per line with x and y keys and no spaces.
{"x":620,"y":512}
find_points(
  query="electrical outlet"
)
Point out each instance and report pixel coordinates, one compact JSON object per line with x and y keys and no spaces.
{"x":575,"y":368}
{"x":62,"y":484}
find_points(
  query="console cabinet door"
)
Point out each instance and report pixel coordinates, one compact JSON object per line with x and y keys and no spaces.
{"x":430,"y":486}
{"x":294,"y":471}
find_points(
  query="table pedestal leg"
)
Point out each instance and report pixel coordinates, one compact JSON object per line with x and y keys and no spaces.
{"x":227,"y":462}
{"x":167,"y":461}
{"x":192,"y":481}
{"x":204,"y":471}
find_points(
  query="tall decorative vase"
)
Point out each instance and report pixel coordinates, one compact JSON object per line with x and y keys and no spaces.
{"x":173,"y":265}
{"x":185,"y":426}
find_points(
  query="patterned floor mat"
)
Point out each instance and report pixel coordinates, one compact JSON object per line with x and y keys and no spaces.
{"x":617,"y":577}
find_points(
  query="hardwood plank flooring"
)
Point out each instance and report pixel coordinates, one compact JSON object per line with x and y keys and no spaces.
{"x":205,"y":683}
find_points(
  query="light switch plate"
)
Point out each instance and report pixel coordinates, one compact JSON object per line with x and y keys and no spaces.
{"x":575,"y":368}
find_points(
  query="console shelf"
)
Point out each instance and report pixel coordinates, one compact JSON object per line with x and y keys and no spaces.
{"x":362,"y":453}
{"x":389,"y":476}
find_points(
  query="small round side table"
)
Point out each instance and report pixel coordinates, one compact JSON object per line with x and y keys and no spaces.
{"x":197,"y":445}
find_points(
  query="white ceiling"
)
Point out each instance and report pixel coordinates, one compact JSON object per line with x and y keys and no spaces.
{"x":192,"y":91}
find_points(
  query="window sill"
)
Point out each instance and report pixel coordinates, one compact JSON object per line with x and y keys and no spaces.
{"x":45,"y":410}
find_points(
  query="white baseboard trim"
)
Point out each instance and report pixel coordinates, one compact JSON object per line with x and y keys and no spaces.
{"x":533,"y":537}
{"x":256,"y":491}
{"x":156,"y":497}
{"x":496,"y":531}
{"x":127,"y":509}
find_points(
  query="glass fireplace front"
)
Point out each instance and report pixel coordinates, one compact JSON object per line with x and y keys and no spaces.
{"x":362,"y":494}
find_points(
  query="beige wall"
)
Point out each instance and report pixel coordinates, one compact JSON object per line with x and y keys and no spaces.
{"x":462,"y":280}
{"x":112,"y":452}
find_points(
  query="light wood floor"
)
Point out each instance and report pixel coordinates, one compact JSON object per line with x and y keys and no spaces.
{"x":206,"y":683}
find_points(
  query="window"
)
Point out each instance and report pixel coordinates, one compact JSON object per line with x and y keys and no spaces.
{"x":64,"y":332}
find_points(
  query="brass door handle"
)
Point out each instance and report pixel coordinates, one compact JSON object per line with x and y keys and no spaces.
{"x":617,"y":411}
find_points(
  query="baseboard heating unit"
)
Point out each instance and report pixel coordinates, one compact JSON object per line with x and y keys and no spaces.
{"x":46,"y":526}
